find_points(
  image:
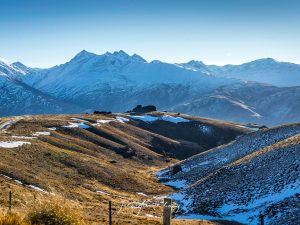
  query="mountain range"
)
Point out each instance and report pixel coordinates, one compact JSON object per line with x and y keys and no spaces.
{"x":264,"y":91}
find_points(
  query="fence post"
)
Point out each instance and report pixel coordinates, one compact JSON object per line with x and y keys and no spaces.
{"x":261,"y":216}
{"x":167,"y":211}
{"x":34,"y":197}
{"x":10,"y":202}
{"x":110,"y":221}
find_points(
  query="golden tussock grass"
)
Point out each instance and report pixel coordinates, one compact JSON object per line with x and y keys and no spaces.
{"x":46,"y":211}
{"x":54,"y":211}
{"x":12,"y":219}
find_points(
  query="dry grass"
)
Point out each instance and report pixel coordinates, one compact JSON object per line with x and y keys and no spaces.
{"x":47,"y":211}
{"x":54,"y":211}
{"x":12,"y":219}
{"x":119,"y":159}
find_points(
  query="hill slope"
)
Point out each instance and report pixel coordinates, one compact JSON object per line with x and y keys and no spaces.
{"x":96,"y":158}
{"x":256,"y":172}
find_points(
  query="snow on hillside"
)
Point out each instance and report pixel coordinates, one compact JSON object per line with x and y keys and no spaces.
{"x":13,"y":70}
{"x":77,"y":125}
{"x":196,"y":66}
{"x":168,"y":118}
{"x":207,"y":162}
{"x":258,"y":172}
{"x":13,"y":144}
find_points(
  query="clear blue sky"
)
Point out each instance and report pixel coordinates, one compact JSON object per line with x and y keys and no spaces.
{"x":44,"y":33}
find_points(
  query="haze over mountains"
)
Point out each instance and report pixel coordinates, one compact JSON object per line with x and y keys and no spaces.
{"x":264,"y":91}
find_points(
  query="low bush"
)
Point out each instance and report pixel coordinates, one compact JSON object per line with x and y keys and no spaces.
{"x":12,"y":219}
{"x":54,"y":211}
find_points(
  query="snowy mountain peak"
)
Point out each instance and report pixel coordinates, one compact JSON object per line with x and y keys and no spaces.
{"x":120,"y":56}
{"x":123,"y":56}
{"x":3,"y":61}
{"x":156,"y":61}
{"x":20,"y":67}
{"x":264,"y":61}
{"x":138,"y":58}
{"x":195,"y":66}
{"x":5,"y":68}
{"x":83,"y":55}
{"x":120,"y":53}
{"x":195,"y":63}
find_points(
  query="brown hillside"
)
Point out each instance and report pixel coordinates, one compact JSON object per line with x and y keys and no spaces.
{"x":98,"y":162}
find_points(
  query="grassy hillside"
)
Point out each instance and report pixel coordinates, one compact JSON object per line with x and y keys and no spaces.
{"x":93,"y":159}
{"x":257,"y":173}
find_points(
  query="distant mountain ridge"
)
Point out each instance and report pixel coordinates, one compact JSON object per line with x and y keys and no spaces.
{"x":267,"y":70}
{"x":118,"y":82}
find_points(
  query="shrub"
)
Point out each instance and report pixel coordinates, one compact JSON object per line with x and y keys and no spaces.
{"x":11,"y":219}
{"x":144,"y":109}
{"x":54,"y":211}
{"x":176,"y":169}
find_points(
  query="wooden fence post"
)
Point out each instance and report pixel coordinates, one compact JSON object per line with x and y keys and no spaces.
{"x":167,"y":211}
{"x":110,"y":221}
{"x":261,"y":216}
{"x":10,"y":202}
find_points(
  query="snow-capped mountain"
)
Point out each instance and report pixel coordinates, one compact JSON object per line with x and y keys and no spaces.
{"x":8,"y":70}
{"x":196,"y":66}
{"x":118,"y":82}
{"x":119,"y":68}
{"x":265,"y":71}
{"x":18,"y":98}
{"x":268,"y":70}
{"x":256,"y":173}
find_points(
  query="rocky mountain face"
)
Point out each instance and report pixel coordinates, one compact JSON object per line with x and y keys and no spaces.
{"x":118,"y":82}
{"x":257,"y":173}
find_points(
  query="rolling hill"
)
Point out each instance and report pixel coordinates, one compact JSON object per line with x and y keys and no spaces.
{"x":255,"y":174}
{"x":92,"y":159}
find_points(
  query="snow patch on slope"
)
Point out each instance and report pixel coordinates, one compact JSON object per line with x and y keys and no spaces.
{"x":13,"y":144}
{"x":41,"y":133}
{"x":77,"y":125}
{"x":149,"y":118}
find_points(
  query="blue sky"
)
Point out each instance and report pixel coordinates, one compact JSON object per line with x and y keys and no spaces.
{"x":43,"y":33}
